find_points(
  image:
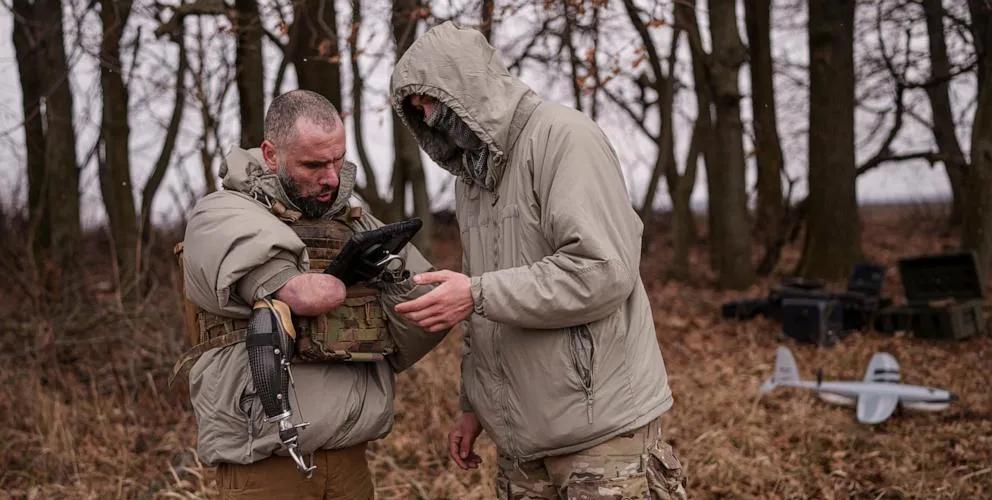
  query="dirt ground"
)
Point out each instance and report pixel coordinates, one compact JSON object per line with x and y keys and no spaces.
{"x":84,"y":411}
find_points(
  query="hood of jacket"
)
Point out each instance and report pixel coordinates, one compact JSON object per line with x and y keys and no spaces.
{"x":245,"y":171}
{"x":459,"y":68}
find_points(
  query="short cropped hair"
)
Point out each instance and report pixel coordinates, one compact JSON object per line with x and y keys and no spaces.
{"x":286,"y":109}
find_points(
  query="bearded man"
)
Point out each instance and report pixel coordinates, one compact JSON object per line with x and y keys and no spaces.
{"x":286,"y":209}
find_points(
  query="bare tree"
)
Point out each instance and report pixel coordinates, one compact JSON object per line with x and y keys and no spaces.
{"x":314,"y":48}
{"x":61,"y":181}
{"x":569,"y":23}
{"x":977,"y":230}
{"x":940,"y":105}
{"x":210,"y":87}
{"x":768,"y":150}
{"x":703,"y":132}
{"x":727,"y":172}
{"x":27,"y":46}
{"x":408,"y":169}
{"x":661,"y":81}
{"x":115,"y":163}
{"x":370,"y":191}
{"x":250,"y":72}
{"x":833,"y":235}
{"x":178,"y":36}
{"x":486,"y":16}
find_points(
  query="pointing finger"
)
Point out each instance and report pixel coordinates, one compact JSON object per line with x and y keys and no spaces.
{"x":431,"y":277}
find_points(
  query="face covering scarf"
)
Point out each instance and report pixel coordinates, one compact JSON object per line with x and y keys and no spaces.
{"x":459,"y":138}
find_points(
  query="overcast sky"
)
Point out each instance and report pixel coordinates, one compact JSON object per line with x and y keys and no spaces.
{"x":151,"y":102}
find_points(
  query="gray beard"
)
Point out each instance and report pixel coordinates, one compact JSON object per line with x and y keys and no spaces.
{"x":308,"y":205}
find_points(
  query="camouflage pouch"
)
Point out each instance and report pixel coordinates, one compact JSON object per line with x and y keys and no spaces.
{"x":666,"y":477}
{"x":355,"y":331}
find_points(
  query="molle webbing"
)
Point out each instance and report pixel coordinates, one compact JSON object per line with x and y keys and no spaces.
{"x":324,"y":240}
{"x":355,"y":331}
{"x":228,"y":331}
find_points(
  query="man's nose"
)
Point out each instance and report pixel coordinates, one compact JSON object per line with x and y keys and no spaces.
{"x":330,"y":178}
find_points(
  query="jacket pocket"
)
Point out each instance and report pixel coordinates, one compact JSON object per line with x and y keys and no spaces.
{"x":582,"y":350}
{"x":250,"y":409}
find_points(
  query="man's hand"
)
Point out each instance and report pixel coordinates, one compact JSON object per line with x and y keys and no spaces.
{"x":461,"y":440}
{"x":445,"y":306}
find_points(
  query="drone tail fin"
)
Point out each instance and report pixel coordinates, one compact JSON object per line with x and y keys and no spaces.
{"x":786,"y":371}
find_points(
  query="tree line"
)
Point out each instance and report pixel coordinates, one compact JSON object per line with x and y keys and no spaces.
{"x":671,"y":69}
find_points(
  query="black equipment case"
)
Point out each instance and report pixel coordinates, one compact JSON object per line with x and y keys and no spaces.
{"x":817,"y":320}
{"x":856,"y":306}
{"x":944,"y":298}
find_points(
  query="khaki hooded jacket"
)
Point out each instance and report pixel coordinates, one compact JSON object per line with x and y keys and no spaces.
{"x":235,"y":252}
{"x":561,"y":352}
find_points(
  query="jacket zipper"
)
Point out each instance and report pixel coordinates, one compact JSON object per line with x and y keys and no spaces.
{"x":504,"y":402}
{"x":585,"y":374}
{"x":504,"y":393}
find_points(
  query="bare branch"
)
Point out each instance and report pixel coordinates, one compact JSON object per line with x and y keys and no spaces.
{"x":930,"y":156}
{"x":370,"y":192}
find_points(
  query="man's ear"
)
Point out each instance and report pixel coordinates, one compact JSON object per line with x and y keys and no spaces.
{"x":269,"y":154}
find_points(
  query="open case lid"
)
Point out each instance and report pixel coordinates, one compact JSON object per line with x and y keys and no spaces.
{"x":940,"y":277}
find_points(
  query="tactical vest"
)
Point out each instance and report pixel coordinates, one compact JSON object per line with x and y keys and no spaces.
{"x":354,"y":331}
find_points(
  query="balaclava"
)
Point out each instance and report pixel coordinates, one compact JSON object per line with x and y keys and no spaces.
{"x":456,"y":138}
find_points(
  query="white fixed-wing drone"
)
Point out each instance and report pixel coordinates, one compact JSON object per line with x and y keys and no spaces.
{"x":877,"y":396}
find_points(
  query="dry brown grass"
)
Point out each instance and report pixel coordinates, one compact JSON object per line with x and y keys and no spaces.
{"x":84,"y":415}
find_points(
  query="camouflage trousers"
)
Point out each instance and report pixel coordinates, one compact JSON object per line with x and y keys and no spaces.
{"x":637,"y":465}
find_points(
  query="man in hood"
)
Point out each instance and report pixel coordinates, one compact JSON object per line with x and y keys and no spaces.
{"x":244,"y":244}
{"x":561,"y":366}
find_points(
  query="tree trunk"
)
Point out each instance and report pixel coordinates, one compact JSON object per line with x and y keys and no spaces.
{"x":977,"y":231}
{"x":249,"y":72}
{"x":207,"y":119}
{"x":26,"y":46}
{"x":115,"y":170}
{"x":833,"y":235}
{"x":486,"y":19}
{"x":980,"y":27}
{"x":728,"y":172}
{"x":768,"y":150}
{"x":683,"y":225}
{"x":369,"y":192}
{"x":316,"y":56}
{"x":573,"y":58}
{"x":168,"y":144}
{"x":407,"y":165}
{"x":61,"y":170}
{"x":662,"y":85}
{"x":685,"y":18}
{"x":940,"y":106}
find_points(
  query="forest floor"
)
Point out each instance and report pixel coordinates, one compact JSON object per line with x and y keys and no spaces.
{"x":85,"y":412}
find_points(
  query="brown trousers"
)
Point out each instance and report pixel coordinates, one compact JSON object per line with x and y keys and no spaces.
{"x":341,"y":474}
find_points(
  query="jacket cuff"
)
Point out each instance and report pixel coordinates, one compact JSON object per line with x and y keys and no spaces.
{"x":463,"y":403}
{"x":477,"y":297}
{"x":266,"y":279}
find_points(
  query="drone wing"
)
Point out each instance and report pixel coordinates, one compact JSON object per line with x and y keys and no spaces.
{"x":875,"y":408}
{"x":882,"y":368}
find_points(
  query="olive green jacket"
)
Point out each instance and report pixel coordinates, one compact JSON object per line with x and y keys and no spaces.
{"x":237,"y":251}
{"x":561,"y":352}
